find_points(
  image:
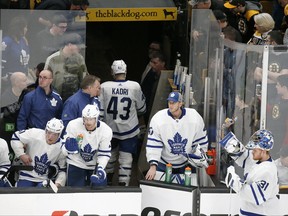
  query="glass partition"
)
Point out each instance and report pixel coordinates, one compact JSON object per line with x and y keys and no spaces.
{"x":29,"y":38}
{"x":237,"y":81}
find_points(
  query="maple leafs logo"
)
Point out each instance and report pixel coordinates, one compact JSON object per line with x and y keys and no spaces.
{"x":177,"y":145}
{"x":87,"y":153}
{"x":41,"y":164}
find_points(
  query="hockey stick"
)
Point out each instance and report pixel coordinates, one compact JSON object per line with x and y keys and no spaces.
{"x":17,"y":168}
{"x":51,"y":184}
{"x":94,"y":172}
{"x":14,"y":168}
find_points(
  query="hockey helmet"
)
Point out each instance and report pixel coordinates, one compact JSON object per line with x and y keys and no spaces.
{"x":90,"y":111}
{"x":119,"y":67}
{"x":262,"y":139}
{"x":55,"y":125}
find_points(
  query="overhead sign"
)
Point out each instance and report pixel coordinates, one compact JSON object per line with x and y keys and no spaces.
{"x":130,"y":14}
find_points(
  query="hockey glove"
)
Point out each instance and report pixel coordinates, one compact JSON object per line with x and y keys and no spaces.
{"x":71,"y":146}
{"x":232,"y":145}
{"x":232,"y":180}
{"x":52,"y":171}
{"x":99,"y":178}
{"x":198,"y":159}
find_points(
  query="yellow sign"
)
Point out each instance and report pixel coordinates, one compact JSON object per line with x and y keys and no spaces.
{"x":130,"y":14}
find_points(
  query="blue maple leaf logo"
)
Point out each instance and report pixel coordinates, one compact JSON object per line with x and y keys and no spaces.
{"x":41,"y":164}
{"x":87,"y":154}
{"x":178,"y":144}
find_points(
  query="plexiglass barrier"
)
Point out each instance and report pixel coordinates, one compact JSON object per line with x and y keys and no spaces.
{"x":29,"y":38}
{"x":228,"y":81}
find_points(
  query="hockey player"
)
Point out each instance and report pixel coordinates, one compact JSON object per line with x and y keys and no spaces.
{"x":177,"y":135}
{"x":4,"y":162}
{"x":87,"y":147}
{"x":259,"y":189}
{"x":122,"y":102}
{"x":42,"y":150}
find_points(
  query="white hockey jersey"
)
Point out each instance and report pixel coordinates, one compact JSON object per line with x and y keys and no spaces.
{"x":121,"y":102}
{"x":33,"y":143}
{"x":94,"y":146}
{"x":170,"y":139}
{"x":260,"y":190}
{"x":4,"y":157}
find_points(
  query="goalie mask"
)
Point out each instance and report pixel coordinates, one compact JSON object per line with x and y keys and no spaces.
{"x":118,"y":67}
{"x":262,"y":139}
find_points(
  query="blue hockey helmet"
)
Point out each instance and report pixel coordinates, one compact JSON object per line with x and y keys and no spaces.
{"x":262,"y":139}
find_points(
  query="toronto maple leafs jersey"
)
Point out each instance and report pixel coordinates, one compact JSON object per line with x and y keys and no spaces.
{"x":259,"y":192}
{"x":38,"y":108}
{"x":121,"y":102}
{"x":170,"y":139}
{"x":94,"y":146}
{"x":33,"y":143}
{"x":4,"y":157}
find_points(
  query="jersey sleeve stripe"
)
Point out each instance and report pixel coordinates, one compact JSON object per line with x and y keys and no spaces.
{"x":151,"y":139}
{"x":150,"y":146}
{"x":126,"y":132}
{"x":254,"y":195}
{"x":201,"y":138}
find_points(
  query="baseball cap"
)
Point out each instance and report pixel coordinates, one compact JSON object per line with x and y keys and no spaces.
{"x":234,"y":3}
{"x":219,"y":15}
{"x":175,"y":97}
{"x":75,"y":39}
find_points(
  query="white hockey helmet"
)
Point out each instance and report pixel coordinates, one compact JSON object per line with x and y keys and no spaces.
{"x":91,"y":111}
{"x":119,"y":67}
{"x":55,"y":125}
{"x":262,"y":139}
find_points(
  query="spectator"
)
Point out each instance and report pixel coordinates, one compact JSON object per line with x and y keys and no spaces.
{"x":154,"y":46}
{"x":36,"y":71}
{"x":15,"y":47}
{"x":50,"y":39}
{"x":264,"y":24}
{"x":40,"y":105}
{"x":221,"y":18}
{"x":87,"y":94}
{"x":150,"y":83}
{"x":277,"y":116}
{"x":177,"y":135}
{"x":63,"y":5}
{"x":282,"y":166}
{"x":206,"y":4}
{"x":40,"y":148}
{"x":259,"y":190}
{"x":18,"y":82}
{"x":122,"y":100}
{"x":4,"y":162}
{"x":275,"y":37}
{"x":88,"y":148}
{"x":285,"y":38}
{"x":240,"y":15}
{"x":10,"y":105}
{"x":68,"y":66}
